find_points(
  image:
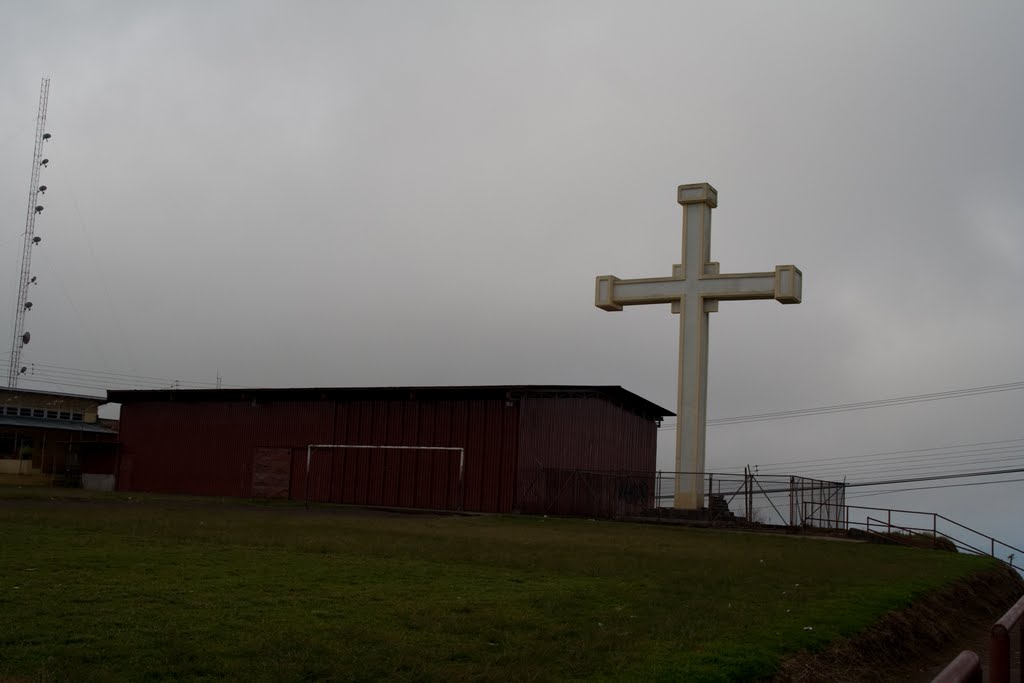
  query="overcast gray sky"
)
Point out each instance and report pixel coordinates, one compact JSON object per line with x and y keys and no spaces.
{"x":412,"y":193}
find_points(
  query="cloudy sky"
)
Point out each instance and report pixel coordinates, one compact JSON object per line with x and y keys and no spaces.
{"x":412,"y":193}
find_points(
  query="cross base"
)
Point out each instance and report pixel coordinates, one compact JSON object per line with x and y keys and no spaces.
{"x":718,"y":511}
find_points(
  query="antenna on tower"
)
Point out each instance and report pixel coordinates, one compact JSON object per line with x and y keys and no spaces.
{"x":21,"y":336}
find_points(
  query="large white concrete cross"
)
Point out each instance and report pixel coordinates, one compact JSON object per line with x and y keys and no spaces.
{"x":694,"y":290}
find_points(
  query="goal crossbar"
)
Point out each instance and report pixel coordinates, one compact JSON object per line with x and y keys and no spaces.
{"x":460,"y":449}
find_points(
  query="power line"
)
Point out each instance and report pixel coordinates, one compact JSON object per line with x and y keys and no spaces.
{"x":102,"y":374}
{"x":908,"y":462}
{"x":892,"y":460}
{"x":926,"y":488}
{"x":963,"y":475}
{"x":72,"y":382}
{"x":64,"y":384}
{"x":863,"y":405}
{"x":57,"y":375}
{"x":111,"y":382}
{"x":892,"y":453}
{"x":937,"y":468}
{"x":940,"y":459}
{"x":935,"y":477}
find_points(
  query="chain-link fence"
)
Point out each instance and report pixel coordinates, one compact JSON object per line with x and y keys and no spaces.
{"x":589,"y":493}
{"x":744,"y":498}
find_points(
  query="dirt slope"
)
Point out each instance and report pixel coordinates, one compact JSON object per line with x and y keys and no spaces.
{"x":915,"y":643}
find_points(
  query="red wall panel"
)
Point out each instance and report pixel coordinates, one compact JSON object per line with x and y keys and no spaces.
{"x":566,"y":435}
{"x":206,"y":448}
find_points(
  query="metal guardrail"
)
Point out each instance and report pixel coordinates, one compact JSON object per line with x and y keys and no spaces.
{"x":999,"y":647}
{"x":983,"y":544}
{"x":965,"y":668}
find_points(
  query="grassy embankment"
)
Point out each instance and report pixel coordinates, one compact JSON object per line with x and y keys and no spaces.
{"x":103,"y":587}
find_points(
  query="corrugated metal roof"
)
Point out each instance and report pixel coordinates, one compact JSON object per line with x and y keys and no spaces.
{"x":42,"y":423}
{"x":613,"y":393}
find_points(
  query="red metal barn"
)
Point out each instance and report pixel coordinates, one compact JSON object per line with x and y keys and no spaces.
{"x":559,"y":449}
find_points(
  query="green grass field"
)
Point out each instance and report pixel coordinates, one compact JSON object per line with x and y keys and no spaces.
{"x":112,"y":588}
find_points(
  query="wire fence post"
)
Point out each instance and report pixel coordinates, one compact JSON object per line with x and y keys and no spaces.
{"x":309,"y":452}
{"x":753,"y":483}
{"x":792,"y":511}
{"x":747,"y":495}
{"x":711,"y":493}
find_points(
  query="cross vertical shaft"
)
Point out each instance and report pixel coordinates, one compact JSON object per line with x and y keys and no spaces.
{"x":692,"y":397}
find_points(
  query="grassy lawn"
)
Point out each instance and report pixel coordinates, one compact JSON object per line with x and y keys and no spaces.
{"x":107,"y":588}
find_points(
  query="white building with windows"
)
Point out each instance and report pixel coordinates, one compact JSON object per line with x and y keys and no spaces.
{"x":47,"y":433}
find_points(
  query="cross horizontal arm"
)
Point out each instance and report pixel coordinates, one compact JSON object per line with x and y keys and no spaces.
{"x":738,"y":286}
{"x":612,"y":293}
{"x":784,"y":285}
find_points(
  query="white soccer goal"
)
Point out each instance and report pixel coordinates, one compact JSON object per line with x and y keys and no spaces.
{"x":377,"y":447}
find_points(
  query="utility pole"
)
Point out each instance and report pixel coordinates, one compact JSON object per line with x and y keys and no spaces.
{"x":21,"y":336}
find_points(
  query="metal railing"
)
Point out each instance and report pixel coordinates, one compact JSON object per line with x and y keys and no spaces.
{"x":999,"y":646}
{"x":965,"y":668}
{"x":908,"y":526}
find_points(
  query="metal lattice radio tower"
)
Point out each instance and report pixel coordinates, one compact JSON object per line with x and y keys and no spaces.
{"x":21,"y":336}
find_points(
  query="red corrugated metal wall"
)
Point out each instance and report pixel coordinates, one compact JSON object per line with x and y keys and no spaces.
{"x":207,"y":448}
{"x":525,"y":452}
{"x":561,"y":438}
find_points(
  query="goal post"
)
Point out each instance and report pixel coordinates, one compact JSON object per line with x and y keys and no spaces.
{"x":377,"y":447}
